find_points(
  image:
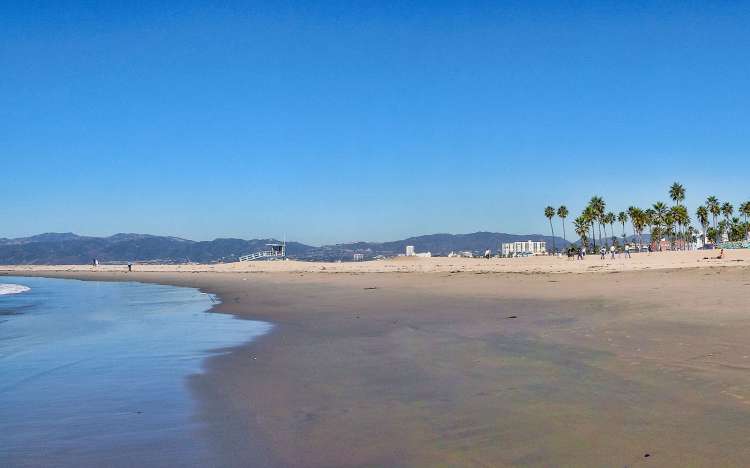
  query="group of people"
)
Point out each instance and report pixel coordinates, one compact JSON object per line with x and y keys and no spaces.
{"x":580,"y":252}
{"x":613,"y":251}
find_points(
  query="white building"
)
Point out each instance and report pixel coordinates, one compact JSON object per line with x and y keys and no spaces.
{"x":525,"y":247}
{"x":410,"y":252}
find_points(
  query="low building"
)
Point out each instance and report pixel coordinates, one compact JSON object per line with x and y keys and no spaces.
{"x":530,"y":247}
{"x":410,"y":252}
{"x":358,"y":257}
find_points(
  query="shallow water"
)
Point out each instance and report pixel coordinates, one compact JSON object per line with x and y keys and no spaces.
{"x":94,"y":373}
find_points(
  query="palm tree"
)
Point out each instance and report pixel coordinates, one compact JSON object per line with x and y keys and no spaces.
{"x":736,"y":230}
{"x":682,"y":218}
{"x":581,"y":225}
{"x":590,"y":217}
{"x":622,"y":217}
{"x":610,"y":219}
{"x":702,"y":214}
{"x":727,"y":210}
{"x":562,"y":213}
{"x":549,"y":212}
{"x":713,"y":206}
{"x":659,"y":219}
{"x":745,"y":211}
{"x":639,"y":218}
{"x":598,"y":206}
{"x":677,"y":194}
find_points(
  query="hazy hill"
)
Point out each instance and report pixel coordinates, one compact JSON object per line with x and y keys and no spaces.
{"x":69,"y":248}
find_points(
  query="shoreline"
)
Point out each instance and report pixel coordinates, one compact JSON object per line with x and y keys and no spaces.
{"x":405,"y":369}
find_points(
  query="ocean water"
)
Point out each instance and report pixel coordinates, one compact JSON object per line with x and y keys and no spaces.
{"x":95,"y":373}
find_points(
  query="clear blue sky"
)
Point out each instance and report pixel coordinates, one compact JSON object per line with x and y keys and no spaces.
{"x":339,"y":121}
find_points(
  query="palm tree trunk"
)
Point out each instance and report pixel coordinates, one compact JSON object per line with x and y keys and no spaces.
{"x":553,"y":236}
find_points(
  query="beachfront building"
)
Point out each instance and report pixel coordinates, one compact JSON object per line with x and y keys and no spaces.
{"x":358,"y":257}
{"x":410,"y":252}
{"x":530,"y":247}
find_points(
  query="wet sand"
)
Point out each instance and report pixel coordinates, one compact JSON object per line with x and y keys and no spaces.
{"x":429,"y":369}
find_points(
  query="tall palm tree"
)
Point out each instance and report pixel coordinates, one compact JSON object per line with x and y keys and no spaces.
{"x":713,"y":206}
{"x":736,"y":230}
{"x":588,"y":216}
{"x":682,"y":218}
{"x":658,"y":220}
{"x":640,"y":221}
{"x":677,"y":194}
{"x":598,"y":208}
{"x":727,"y":210}
{"x":549,"y":212}
{"x":745,"y":211}
{"x":622,"y":217}
{"x":581,"y":226}
{"x":610,"y":219}
{"x":702,"y":214}
{"x":632,"y":213}
{"x":562,"y":213}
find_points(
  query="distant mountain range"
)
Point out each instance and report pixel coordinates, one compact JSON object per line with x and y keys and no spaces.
{"x":69,"y":248}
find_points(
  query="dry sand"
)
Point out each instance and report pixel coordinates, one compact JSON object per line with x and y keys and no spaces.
{"x":619,"y":368}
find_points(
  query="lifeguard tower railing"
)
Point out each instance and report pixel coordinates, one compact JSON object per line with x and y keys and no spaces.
{"x":275,"y":251}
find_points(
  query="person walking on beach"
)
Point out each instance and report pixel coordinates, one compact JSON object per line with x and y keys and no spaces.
{"x":130,"y":267}
{"x":580,"y":253}
{"x":603,"y":253}
{"x":612,"y":251}
{"x":627,"y":251}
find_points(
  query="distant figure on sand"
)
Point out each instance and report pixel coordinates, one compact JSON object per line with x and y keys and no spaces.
{"x":603,"y":253}
{"x":487,"y":254}
{"x":580,"y":253}
{"x":612,"y":251}
{"x":130,"y":266}
{"x":721,"y":255}
{"x":627,"y":251}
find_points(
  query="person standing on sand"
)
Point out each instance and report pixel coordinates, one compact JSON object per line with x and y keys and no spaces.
{"x":603,"y":253}
{"x":130,"y":267}
{"x":627,"y":251}
{"x":612,"y":251}
{"x":580,"y":253}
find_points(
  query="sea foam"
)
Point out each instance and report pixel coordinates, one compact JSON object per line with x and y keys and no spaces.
{"x":12,"y":289}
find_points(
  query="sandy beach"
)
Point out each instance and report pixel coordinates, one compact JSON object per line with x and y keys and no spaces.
{"x":539,"y":264}
{"x":465,"y":362}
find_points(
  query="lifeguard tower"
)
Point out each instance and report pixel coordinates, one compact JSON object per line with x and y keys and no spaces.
{"x":273,"y":252}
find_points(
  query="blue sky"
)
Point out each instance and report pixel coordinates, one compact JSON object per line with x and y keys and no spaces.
{"x":340,"y":121}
